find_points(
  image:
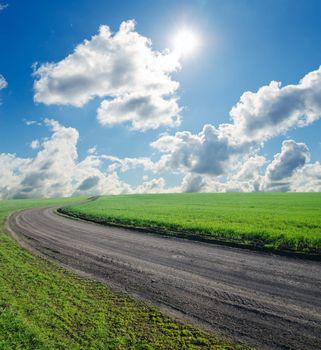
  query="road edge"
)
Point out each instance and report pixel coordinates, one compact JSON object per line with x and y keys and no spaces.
{"x":194,"y":237}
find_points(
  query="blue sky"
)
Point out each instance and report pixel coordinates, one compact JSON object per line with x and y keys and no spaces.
{"x":244,"y":45}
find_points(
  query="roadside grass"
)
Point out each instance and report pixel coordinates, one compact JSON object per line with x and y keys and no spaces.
{"x":276,"y":221}
{"x":43,"y":306}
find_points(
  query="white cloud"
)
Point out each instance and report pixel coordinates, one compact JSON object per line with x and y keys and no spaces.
{"x":285,"y":164}
{"x":259,"y":116}
{"x":122,"y":67}
{"x":12,"y":170}
{"x":31,"y":122}
{"x":125,"y":164}
{"x":92,"y":150}
{"x":245,"y":177}
{"x":248,"y":176}
{"x":142,"y":111}
{"x":307,"y":178}
{"x":290,"y":170}
{"x":35,"y":144}
{"x":274,"y":109}
{"x":208,"y":183}
{"x":53,"y":172}
{"x":3,"y":82}
{"x":229,"y":152}
{"x":223,"y":158}
{"x":152,"y":186}
{"x":193,"y":183}
{"x":209,"y":152}
{"x":249,"y":170}
{"x":56,"y":171}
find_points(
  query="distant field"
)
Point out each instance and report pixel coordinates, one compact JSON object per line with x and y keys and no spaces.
{"x":43,"y":306}
{"x":279,"y":221}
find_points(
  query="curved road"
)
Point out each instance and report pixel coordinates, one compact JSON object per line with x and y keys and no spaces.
{"x":269,"y":301}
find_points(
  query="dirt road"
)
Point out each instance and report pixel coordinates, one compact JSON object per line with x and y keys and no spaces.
{"x":269,"y":301}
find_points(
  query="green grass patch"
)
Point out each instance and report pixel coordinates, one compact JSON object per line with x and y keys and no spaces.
{"x":277,"y":221}
{"x":43,"y":306}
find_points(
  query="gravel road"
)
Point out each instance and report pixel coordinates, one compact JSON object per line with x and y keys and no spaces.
{"x":269,"y":301}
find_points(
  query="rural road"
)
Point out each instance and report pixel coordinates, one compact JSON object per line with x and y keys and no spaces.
{"x":269,"y":301}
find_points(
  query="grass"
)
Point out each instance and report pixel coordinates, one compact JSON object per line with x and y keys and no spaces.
{"x":277,"y":221}
{"x":43,"y":306}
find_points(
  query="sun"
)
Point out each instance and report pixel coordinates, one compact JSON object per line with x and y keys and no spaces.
{"x":185,"y":42}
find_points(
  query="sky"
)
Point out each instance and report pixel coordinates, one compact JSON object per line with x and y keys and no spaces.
{"x":111,"y":97}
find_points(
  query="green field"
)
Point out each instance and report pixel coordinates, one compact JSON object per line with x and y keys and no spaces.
{"x":277,"y":221}
{"x":43,"y":306}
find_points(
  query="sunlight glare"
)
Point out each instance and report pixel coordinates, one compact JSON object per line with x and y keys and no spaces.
{"x":185,"y":42}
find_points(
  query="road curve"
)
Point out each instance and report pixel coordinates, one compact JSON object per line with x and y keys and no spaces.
{"x":269,"y":301}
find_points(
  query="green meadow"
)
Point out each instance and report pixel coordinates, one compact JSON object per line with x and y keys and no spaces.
{"x":276,"y":221}
{"x":44,"y":306}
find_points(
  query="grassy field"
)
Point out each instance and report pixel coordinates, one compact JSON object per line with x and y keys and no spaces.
{"x":279,"y":221}
{"x":43,"y":306}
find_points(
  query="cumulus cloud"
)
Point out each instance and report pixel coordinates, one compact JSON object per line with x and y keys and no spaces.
{"x":49,"y":173}
{"x":142,"y":111}
{"x":88,"y":183}
{"x":208,"y":183}
{"x":229,"y":152}
{"x":290,"y":170}
{"x":249,"y":170}
{"x":3,"y":82}
{"x":12,"y":170}
{"x":257,"y":117}
{"x":274,"y":109}
{"x":125,"y":164}
{"x":292,"y":157}
{"x":307,"y":178}
{"x":193,"y":183}
{"x":134,"y":80}
{"x":245,"y":177}
{"x":223,"y":158}
{"x":209,"y":152}
{"x":248,"y":177}
{"x":56,"y":171}
{"x":152,"y":186}
{"x":206,"y":159}
{"x":136,"y":86}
